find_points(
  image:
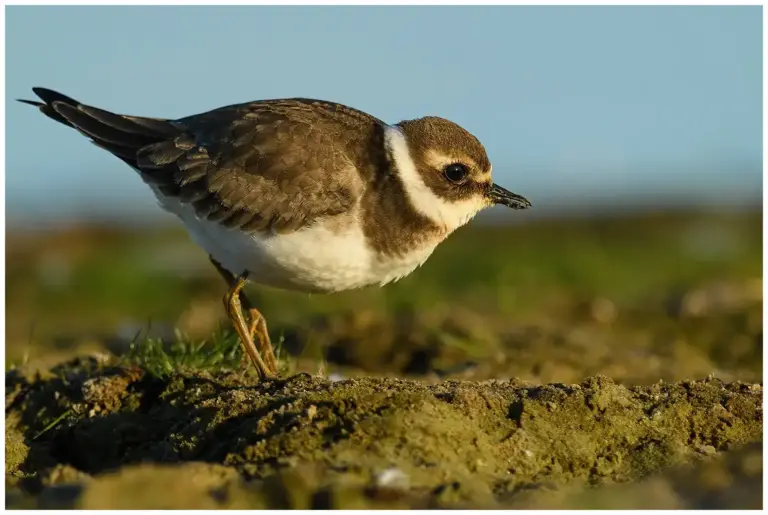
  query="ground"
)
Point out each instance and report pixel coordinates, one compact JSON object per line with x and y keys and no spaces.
{"x":610,"y":362}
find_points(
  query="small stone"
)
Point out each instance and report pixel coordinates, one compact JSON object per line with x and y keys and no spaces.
{"x":392,"y":477}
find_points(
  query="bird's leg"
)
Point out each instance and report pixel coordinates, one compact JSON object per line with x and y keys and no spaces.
{"x":235,"y":313}
{"x":259,"y":330}
{"x":233,"y":300}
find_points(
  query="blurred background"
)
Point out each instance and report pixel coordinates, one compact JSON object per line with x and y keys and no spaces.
{"x":635,"y":131}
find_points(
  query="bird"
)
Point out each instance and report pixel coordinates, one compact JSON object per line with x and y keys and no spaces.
{"x":299,"y":194}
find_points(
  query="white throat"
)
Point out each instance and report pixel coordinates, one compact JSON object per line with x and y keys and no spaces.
{"x":450,"y":215}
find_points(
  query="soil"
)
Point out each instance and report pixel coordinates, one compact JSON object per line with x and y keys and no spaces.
{"x":88,"y":434}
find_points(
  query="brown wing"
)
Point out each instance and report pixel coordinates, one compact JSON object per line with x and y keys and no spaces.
{"x":275,"y":165}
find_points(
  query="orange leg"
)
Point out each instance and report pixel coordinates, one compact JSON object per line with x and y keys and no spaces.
{"x":234,"y":302}
{"x":258,"y":330}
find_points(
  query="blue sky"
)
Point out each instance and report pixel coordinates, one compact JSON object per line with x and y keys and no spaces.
{"x":575,"y":105}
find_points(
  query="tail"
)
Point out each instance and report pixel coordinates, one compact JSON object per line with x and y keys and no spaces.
{"x":121,"y":135}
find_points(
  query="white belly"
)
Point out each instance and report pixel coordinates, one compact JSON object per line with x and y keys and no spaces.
{"x":321,"y":258}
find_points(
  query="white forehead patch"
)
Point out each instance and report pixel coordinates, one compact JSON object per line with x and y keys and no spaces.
{"x":450,"y":215}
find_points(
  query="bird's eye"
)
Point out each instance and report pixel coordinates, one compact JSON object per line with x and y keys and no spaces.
{"x":456,"y":172}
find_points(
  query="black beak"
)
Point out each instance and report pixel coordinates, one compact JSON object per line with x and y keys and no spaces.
{"x":499,"y":195}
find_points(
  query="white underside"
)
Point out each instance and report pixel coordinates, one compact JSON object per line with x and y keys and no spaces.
{"x":323,"y":258}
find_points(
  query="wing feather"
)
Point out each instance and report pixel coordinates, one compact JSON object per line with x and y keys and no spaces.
{"x":276,"y":165}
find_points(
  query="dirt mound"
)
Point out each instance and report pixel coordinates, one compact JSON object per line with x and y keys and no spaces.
{"x":97,"y":436}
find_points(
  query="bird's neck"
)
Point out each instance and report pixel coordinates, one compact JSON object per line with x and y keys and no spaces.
{"x":392,"y":223}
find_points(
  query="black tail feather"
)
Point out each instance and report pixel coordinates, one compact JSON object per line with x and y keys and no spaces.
{"x":99,"y":130}
{"x":121,"y":135}
{"x":50,"y":96}
{"x":30,"y":102}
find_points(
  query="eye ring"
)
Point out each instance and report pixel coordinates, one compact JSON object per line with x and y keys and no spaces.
{"x":456,"y":172}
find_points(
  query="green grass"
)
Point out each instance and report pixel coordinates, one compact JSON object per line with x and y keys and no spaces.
{"x":221,"y":352}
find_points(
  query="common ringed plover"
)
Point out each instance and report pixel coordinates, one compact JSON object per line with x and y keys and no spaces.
{"x":299,"y":194}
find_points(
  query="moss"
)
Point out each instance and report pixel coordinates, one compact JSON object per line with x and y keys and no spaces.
{"x":16,"y":450}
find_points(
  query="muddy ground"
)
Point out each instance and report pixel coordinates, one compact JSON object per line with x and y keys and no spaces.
{"x":88,"y":429}
{"x":628,"y":375}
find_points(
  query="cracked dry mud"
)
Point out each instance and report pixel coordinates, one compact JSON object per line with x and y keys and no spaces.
{"x":92,"y":435}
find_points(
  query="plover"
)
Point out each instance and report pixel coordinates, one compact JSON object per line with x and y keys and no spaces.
{"x":299,"y":194}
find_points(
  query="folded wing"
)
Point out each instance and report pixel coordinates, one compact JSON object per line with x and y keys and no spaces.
{"x":263,"y":166}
